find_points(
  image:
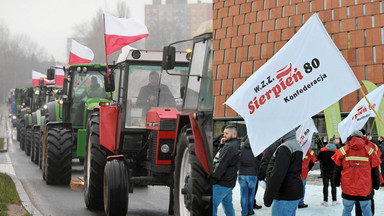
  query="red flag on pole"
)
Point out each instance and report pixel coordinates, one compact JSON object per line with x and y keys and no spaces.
{"x":80,"y":54}
{"x":120,"y":32}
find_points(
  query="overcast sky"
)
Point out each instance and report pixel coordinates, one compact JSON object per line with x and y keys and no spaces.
{"x":51,"y":22}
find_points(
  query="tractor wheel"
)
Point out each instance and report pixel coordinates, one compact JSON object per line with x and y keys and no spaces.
{"x":36,"y":146}
{"x":22,"y":135}
{"x":58,"y":165}
{"x":192,"y":187}
{"x":27,"y":141}
{"x":115,"y":188}
{"x":94,"y":162}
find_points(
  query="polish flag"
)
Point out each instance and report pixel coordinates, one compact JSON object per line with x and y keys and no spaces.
{"x":36,"y":76}
{"x":120,"y":32}
{"x":59,"y":77}
{"x":80,"y":54}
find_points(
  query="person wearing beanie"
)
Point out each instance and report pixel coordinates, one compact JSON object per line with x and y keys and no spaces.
{"x":357,"y":171}
{"x":327,"y":169}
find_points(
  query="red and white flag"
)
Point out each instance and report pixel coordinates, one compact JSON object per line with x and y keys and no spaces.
{"x":299,"y":81}
{"x":59,"y":77}
{"x":120,"y":32}
{"x":304,"y":135}
{"x":80,"y":54}
{"x":37,"y":76}
{"x":360,"y":114}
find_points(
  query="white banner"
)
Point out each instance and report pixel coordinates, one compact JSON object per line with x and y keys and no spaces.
{"x":360,"y":114}
{"x":306,"y":76}
{"x":304,"y":135}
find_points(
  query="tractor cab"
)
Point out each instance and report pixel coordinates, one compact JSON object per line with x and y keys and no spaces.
{"x":83,"y":87}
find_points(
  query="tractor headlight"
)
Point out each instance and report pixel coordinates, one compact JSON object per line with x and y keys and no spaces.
{"x":45,"y":106}
{"x":165,"y":148}
{"x":13,"y":117}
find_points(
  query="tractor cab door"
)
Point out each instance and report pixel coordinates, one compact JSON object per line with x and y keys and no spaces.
{"x":199,"y":88}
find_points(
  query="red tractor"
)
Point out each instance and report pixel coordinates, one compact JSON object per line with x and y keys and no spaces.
{"x":143,"y":138}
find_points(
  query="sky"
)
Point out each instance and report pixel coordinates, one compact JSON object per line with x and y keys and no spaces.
{"x":50,"y":22}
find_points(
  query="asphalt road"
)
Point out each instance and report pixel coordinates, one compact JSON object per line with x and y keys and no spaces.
{"x":62,"y":200}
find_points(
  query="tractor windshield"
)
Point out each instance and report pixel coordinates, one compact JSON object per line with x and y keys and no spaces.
{"x":149,"y":87}
{"x":85,"y":85}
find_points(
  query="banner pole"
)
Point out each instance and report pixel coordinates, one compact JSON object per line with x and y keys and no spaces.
{"x":370,"y":105}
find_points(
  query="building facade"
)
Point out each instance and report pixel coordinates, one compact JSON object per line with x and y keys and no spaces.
{"x":249,"y":32}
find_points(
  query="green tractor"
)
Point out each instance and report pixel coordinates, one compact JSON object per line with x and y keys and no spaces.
{"x":64,"y":124}
{"x":43,"y":94}
{"x":24,"y":118}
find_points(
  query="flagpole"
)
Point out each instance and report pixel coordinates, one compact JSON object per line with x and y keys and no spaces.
{"x":370,"y":132}
{"x":320,"y":139}
{"x":370,"y":105}
{"x":106,"y":54}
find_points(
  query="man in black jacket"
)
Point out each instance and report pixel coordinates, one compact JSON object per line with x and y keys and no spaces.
{"x":284,"y":185}
{"x":249,"y":166}
{"x":225,"y":167}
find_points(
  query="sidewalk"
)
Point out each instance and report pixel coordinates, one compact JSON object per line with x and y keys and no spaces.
{"x":7,"y":168}
{"x":313,"y":197}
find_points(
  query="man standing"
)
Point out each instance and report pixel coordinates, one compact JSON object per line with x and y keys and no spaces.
{"x":357,"y":170}
{"x":249,"y":165}
{"x":225,"y":167}
{"x":284,"y":186}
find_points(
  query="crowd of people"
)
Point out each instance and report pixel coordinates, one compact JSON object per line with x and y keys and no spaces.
{"x":283,"y":169}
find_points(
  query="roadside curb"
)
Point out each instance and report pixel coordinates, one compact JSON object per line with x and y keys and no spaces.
{"x":10,"y":171}
{"x":25,"y":201}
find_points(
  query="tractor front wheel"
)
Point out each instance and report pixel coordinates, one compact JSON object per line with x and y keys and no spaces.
{"x":36,"y":146}
{"x":28,"y":141}
{"x":94,"y":162}
{"x":58,"y":165}
{"x":192,"y":189}
{"x":22,"y":135}
{"x":116,"y":188}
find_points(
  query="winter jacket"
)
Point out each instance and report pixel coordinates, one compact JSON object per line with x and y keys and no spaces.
{"x":216,"y":143}
{"x":308,"y":162}
{"x":325,"y":157}
{"x":283,"y":172}
{"x":249,"y":164}
{"x":357,"y":169}
{"x":226,"y":164}
{"x":267,"y":155}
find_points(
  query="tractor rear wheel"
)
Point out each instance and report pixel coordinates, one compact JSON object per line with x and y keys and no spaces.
{"x":28,"y":141}
{"x":192,"y":188}
{"x":36,"y":145}
{"x":94,"y":162}
{"x":116,"y":188}
{"x":58,"y":165}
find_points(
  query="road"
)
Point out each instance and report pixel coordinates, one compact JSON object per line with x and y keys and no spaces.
{"x":62,"y":200}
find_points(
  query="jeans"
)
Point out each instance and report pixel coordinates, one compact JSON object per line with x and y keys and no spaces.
{"x":365,"y":207}
{"x":302,"y":199}
{"x":325,"y":188}
{"x":247,"y":192}
{"x":284,"y":207}
{"x":222,"y":195}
